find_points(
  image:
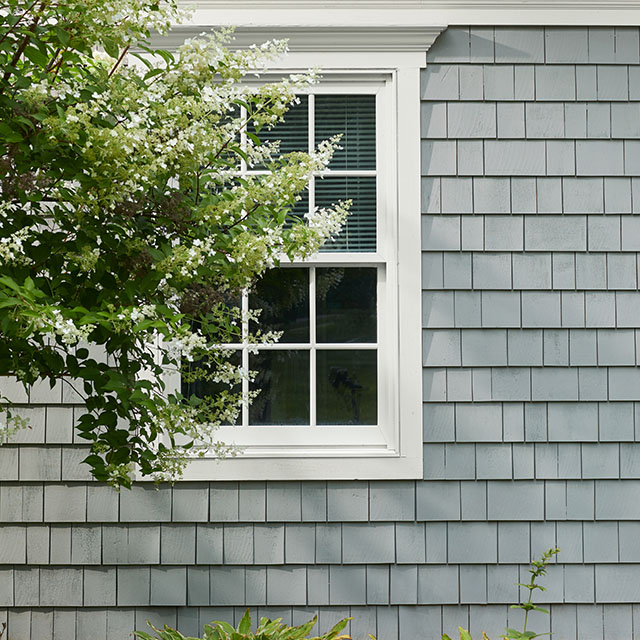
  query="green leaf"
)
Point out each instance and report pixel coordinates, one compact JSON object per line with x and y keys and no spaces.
{"x":110,"y":47}
{"x":245,"y":623}
{"x":62,"y":35}
{"x":36,"y":56}
{"x":464,"y":634}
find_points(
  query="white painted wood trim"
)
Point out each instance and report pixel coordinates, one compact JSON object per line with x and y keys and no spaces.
{"x":413,"y":14}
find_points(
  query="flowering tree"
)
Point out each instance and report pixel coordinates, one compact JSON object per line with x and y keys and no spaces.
{"x":126,"y":228}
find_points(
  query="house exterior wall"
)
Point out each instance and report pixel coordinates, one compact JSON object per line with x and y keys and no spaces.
{"x":531,"y":190}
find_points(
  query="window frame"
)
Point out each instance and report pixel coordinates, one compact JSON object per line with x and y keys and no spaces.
{"x":393,"y":448}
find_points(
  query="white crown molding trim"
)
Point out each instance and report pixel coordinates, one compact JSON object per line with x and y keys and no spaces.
{"x":319,"y":38}
{"x":415,"y":13}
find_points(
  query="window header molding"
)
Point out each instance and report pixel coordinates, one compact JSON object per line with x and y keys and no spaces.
{"x":416,"y":13}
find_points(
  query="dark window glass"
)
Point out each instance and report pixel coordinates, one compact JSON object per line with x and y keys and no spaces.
{"x":359,"y":232}
{"x":347,"y":390}
{"x":283,"y":296}
{"x":346,"y":304}
{"x":283,"y":380}
{"x":353,"y":116}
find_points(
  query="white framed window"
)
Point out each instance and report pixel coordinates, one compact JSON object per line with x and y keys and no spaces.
{"x":341,"y":391}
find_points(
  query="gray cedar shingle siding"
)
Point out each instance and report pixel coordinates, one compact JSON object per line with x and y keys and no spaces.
{"x":531,"y":190}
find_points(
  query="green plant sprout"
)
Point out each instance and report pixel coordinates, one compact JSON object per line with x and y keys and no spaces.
{"x":538,"y":569}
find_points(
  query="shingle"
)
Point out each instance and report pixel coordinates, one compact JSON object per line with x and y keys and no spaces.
{"x":624,"y":120}
{"x":168,"y":586}
{"x":472,"y":232}
{"x":600,"y":309}
{"x":318,"y":585}
{"x":501,"y":581}
{"x":563,"y":270}
{"x":612,"y":82}
{"x":438,"y":501}
{"x":513,"y":419}
{"x":432,"y":271}
{"x":503,"y":233}
{"x":430,"y":195}
{"x":347,"y":585}
{"x":510,"y":118}
{"x":145,"y":504}
{"x":523,"y":461}
{"x":38,"y":463}
{"x":472,"y":542}
{"x":328,"y":543}
{"x":555,"y":233}
{"x":209,"y":544}
{"x":622,"y":271}
{"x":582,"y":347}
{"x":438,"y":309}
{"x":471,"y":80}
{"x":452,"y":45}
{"x":602,"y":44}
{"x":198,"y":586}
{"x":556,"y":347}
{"x":481,"y":385}
{"x":629,"y":541}
{"x":629,"y":460}
{"x":499,"y":82}
{"x":598,"y":120}
{"x":540,"y":309}
{"x":457,"y":195}
{"x":459,"y":385}
{"x":604,"y":233}
{"x":600,"y":542}
{"x":438,"y":422}
{"x":481,"y":44}
{"x":560,"y":158}
{"x":190,"y":502}
{"x":524,"y":347}
{"x":300,"y":542}
{"x":473,"y":584}
{"x":433,"y":119}
{"x":618,"y":621}
{"x":617,"y":583}
{"x":227,"y":586}
{"x":434,"y":385}
{"x":60,"y":587}
{"x":592,"y":383}
{"x":65,"y":503}
{"x":494,"y":461}
{"x":600,"y":460}
{"x":60,"y":544}
{"x":178,"y":544}
{"x":470,"y":154}
{"x":99,"y":587}
{"x":368,"y":543}
{"x":482,"y":347}
{"x":500,"y":309}
{"x":440,"y":233}
{"x":599,"y":158}
{"x":575,"y":117}
{"x":471,"y":119}
{"x":573,"y":422}
{"x":513,"y":542}
{"x":269,"y":544}
{"x":284,"y":501}
{"x":287,"y":586}
{"x":623,"y":383}
{"x":514,"y":157}
{"x":437,"y":584}
{"x":459,"y":461}
{"x":392,"y":500}
{"x":348,"y":501}
{"x":491,"y":195}
{"x":438,"y":157}
{"x":519,"y":45}
{"x":556,"y":82}
{"x":478,"y":422}
{"x":546,"y":461}
{"x":457,"y":271}
{"x":510,"y":384}
{"x":238,"y":544}
{"x":583,"y":195}
{"x":102,"y":504}
{"x":314,"y":501}
{"x":544,"y":120}
{"x":523,"y":195}
{"x":626,"y":50}
{"x":86,"y":545}
{"x":627,"y":309}
{"x":492,"y":271}
{"x":439,"y":82}
{"x":524,"y":82}
{"x":616,"y":347}
{"x":414,"y":620}
{"x":223,"y":502}
{"x":532,"y":270}
{"x":520,"y":500}
{"x":591,"y":271}
{"x":586,"y":82}
{"x":617,"y":499}
{"x":566,"y":44}
{"x":377,"y":584}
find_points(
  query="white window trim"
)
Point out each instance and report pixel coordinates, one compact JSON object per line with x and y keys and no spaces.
{"x":394,"y":452}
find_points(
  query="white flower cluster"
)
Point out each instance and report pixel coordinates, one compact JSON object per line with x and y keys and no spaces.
{"x":68,"y":332}
{"x":12,"y":248}
{"x":133,"y":315}
{"x":184,"y":345}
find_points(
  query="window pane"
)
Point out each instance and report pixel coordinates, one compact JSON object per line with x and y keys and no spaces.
{"x":359,"y":233}
{"x":283,"y":380}
{"x":353,"y":116}
{"x":346,"y":304}
{"x":347,"y":387}
{"x":293,"y":133}
{"x":283,"y":296}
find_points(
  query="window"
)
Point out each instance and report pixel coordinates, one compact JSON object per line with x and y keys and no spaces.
{"x":331,"y":400}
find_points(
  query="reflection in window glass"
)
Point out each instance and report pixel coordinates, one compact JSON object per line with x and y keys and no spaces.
{"x":347,"y":387}
{"x":346,"y":304}
{"x":293,"y":132}
{"x":283,"y":296}
{"x":283,"y":380}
